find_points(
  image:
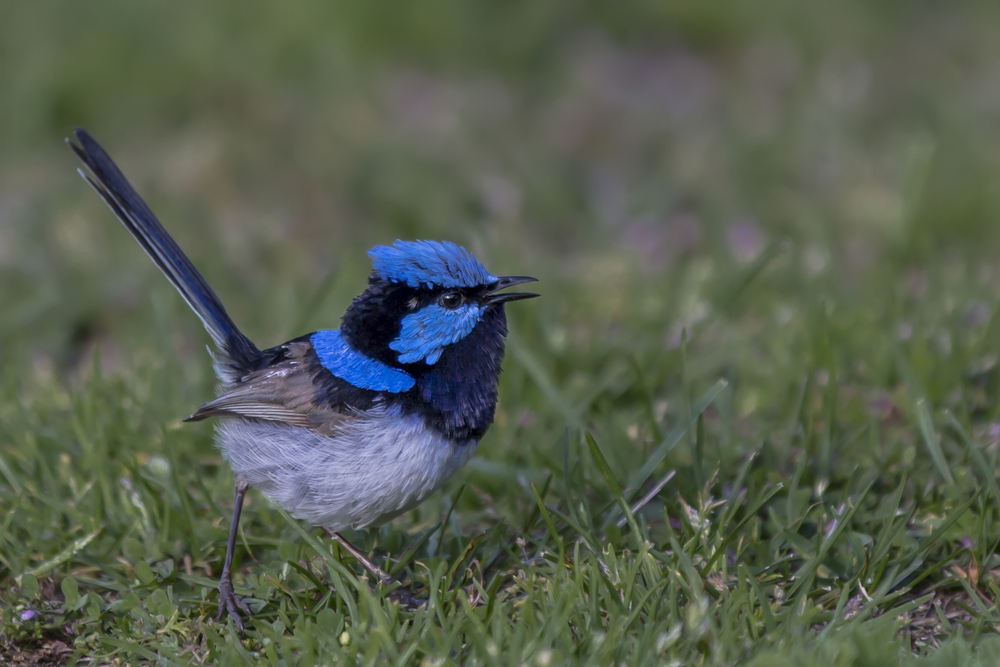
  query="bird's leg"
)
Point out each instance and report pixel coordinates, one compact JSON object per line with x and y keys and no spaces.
{"x":228,"y":602}
{"x":384,"y":578}
{"x":400,"y":594}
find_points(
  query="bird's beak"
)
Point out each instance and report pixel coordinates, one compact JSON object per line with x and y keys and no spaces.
{"x":510,"y":281}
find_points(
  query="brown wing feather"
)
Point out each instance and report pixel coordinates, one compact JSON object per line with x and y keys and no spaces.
{"x":283,"y":392}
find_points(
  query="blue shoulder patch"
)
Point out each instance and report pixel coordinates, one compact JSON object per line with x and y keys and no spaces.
{"x":429,"y":264}
{"x":351,"y":366}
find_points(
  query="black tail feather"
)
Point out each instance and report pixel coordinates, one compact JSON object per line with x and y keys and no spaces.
{"x":239,"y":354}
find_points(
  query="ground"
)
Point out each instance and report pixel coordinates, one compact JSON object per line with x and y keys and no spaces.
{"x":753,"y":419}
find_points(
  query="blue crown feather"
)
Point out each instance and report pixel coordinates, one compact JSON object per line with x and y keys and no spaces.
{"x":429,"y":264}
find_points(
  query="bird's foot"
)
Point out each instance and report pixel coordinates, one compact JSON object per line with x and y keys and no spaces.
{"x":230,"y":604}
{"x":404,"y":597}
{"x":374,"y":569}
{"x":400,"y":594}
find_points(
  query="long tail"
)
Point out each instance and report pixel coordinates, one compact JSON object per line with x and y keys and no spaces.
{"x":237,"y":354}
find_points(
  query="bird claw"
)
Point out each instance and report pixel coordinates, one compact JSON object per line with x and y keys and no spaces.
{"x":230,"y":604}
{"x":405,"y":598}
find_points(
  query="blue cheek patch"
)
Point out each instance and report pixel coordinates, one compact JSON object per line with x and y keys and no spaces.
{"x":351,"y":366}
{"x":426,"y":333}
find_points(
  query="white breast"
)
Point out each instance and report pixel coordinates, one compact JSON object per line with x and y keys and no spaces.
{"x":373,"y":468}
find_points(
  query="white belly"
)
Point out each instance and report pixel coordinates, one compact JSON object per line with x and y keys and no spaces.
{"x":370,"y":470}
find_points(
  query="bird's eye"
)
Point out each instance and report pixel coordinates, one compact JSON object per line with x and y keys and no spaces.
{"x":451,"y":300}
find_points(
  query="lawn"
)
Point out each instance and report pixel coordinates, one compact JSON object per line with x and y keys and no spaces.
{"x":753,"y":419}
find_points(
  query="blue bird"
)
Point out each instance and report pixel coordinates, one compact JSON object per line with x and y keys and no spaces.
{"x":349,"y":427}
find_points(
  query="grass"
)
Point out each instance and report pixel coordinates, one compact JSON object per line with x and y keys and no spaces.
{"x":753,"y":419}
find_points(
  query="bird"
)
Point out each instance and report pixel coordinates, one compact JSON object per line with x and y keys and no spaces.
{"x":347,"y":427}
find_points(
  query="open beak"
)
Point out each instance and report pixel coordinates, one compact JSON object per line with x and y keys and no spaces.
{"x":510,"y":281}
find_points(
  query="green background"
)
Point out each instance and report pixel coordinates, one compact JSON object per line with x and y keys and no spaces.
{"x":798,"y":198}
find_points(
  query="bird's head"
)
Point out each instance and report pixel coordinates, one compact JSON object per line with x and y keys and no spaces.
{"x":424,"y":297}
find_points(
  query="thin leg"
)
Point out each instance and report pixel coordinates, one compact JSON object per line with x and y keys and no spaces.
{"x":360,"y":557}
{"x":400,"y":594}
{"x":228,"y":602}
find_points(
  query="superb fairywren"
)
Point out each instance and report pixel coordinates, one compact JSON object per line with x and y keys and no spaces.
{"x":348,"y":427}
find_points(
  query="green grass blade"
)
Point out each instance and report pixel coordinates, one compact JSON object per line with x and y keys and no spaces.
{"x":929,"y":437}
{"x":616,"y":491}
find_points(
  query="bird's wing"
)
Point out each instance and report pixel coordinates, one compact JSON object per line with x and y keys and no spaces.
{"x":294,"y":389}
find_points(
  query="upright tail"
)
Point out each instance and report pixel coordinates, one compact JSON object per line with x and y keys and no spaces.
{"x":237,"y":355}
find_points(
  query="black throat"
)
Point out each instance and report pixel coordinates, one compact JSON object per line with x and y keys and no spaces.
{"x":457,"y":395}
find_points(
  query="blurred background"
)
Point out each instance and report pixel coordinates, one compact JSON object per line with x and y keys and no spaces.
{"x":736,"y":171}
{"x":800,"y":198}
